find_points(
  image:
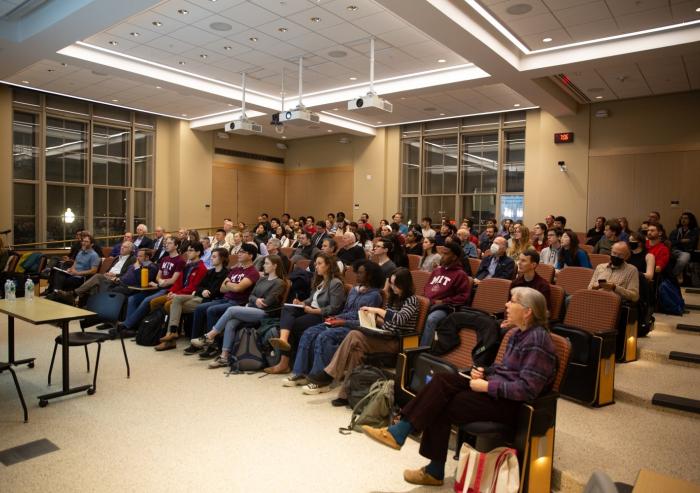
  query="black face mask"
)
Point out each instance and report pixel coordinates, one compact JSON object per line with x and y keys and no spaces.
{"x":616,"y":261}
{"x":634,"y":245}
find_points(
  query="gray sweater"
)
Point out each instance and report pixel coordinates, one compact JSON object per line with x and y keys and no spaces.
{"x":271,"y":291}
{"x":331,"y":299}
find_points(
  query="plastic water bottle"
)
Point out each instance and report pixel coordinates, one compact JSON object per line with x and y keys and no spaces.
{"x":13,"y":290}
{"x":29,"y":290}
{"x":7,"y":290}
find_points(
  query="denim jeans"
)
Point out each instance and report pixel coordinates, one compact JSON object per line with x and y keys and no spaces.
{"x":431,"y":322}
{"x":232,"y":318}
{"x":139,"y":306}
{"x":199,"y":318}
{"x":317,"y":347}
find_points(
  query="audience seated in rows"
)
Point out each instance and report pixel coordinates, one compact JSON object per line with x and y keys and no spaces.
{"x":86,"y":263}
{"x":102,"y":282}
{"x":617,"y":276}
{"x":570,"y":254}
{"x":611,"y":235}
{"x":497,"y":264}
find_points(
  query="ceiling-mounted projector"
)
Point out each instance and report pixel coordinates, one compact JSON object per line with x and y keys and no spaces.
{"x":297,"y":116}
{"x":243,"y":127}
{"x":371,"y":100}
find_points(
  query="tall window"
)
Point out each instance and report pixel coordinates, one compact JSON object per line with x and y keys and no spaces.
{"x":75,"y":168}
{"x":464,"y":168}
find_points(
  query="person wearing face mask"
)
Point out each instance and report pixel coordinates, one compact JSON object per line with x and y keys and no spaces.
{"x":640,"y":258}
{"x":617,"y":276}
{"x":498,"y":264}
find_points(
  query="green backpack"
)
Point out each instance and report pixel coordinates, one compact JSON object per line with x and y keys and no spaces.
{"x":374,"y":409}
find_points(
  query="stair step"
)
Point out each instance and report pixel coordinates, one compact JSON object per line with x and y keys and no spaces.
{"x":662,"y":341}
{"x":688,"y":328}
{"x":687,"y":357}
{"x":692,"y":290}
{"x":676,"y":402}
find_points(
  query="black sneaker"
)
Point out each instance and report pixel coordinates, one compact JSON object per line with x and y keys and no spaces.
{"x":210,"y":352}
{"x":321,"y":378}
{"x":340,"y":402}
{"x":190,"y":350}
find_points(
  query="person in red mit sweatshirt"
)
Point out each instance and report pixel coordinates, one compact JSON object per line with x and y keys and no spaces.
{"x":192,"y":275}
{"x":448,"y":287}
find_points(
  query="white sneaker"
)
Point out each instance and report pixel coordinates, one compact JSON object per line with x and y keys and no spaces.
{"x":200,"y":342}
{"x":313,"y":389}
{"x":294,"y":381}
{"x":219,"y":362}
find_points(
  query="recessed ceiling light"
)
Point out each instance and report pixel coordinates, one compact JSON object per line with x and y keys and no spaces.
{"x":157,"y":23}
{"x":442,"y":114}
{"x":516,"y":105}
{"x":353,"y":78}
{"x":203,"y":56}
{"x":158,"y":87}
{"x":329,"y":131}
{"x":547,"y":40}
{"x":183,"y":11}
{"x":282,"y":29}
{"x":379,"y":122}
{"x":441,"y":60}
{"x":221,"y":26}
{"x":697,"y":10}
{"x":183,"y":114}
{"x":113,"y":43}
{"x":228,"y":48}
{"x":335,"y":109}
{"x":181,"y":62}
{"x":115,"y":100}
{"x":135,"y":34}
{"x":25,"y":82}
{"x":315,"y":19}
{"x":599,"y":97}
{"x":229,"y":104}
{"x":402,"y":98}
{"x":284,"y":136}
{"x":51,"y":70}
{"x":253,"y":39}
{"x":352,"y":8}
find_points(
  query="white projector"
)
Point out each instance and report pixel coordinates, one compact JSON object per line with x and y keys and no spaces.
{"x":371,"y":100}
{"x":243,"y":127}
{"x":296,"y":116}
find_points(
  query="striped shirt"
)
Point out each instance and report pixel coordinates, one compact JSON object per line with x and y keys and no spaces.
{"x":528,"y":367}
{"x":403,"y":318}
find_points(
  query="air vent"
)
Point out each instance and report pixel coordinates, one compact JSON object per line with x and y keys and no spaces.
{"x":248,"y":155}
{"x":571,"y":88}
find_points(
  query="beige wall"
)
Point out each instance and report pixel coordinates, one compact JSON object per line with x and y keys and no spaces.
{"x":644,"y":155}
{"x":5,"y":157}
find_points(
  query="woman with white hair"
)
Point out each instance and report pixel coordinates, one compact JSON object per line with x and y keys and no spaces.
{"x":528,"y":368}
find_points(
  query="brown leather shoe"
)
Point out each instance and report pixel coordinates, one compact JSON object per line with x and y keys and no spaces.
{"x":419,"y":476}
{"x":381,"y":435}
{"x":280,"y":344}
{"x":164,"y":346}
{"x":170,"y":336}
{"x":277,"y":370}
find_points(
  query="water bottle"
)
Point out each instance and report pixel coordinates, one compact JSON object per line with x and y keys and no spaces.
{"x":7,"y":290}
{"x":13,"y":289}
{"x":29,"y":290}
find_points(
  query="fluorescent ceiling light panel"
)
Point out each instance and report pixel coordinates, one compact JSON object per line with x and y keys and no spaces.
{"x":222,"y":118}
{"x":347,"y":123}
{"x":513,"y":39}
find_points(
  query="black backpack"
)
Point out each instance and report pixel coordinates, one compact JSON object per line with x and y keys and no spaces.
{"x":360,"y":380}
{"x":488,"y":335}
{"x":269,"y":328}
{"x":151,"y":329}
{"x":247,"y":355}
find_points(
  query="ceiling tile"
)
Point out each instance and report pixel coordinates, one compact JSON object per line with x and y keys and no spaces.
{"x":340,"y":8}
{"x":535,"y":24}
{"x":625,"y":81}
{"x":171,"y":7}
{"x":216,"y":6}
{"x":645,"y":20}
{"x":379,"y":23}
{"x":583,"y":14}
{"x":626,"y":7}
{"x":273,"y":29}
{"x":171,"y":45}
{"x":284,"y":8}
{"x":146,"y":20}
{"x":249,"y":14}
{"x":312,"y":42}
{"x":234,"y":48}
{"x":304,"y":18}
{"x":500,"y":9}
{"x":344,"y":33}
{"x":206,"y":23}
{"x":404,"y":36}
{"x":195,"y":36}
{"x":102,"y":40}
{"x":684,"y":11}
{"x":556,"y":5}
{"x":692,"y":66}
{"x":593,"y":30}
{"x":124,"y":31}
{"x":665,"y":75}
{"x":211,"y":56}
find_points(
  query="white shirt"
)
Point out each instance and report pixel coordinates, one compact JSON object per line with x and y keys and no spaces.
{"x":428,"y":233}
{"x":117,"y":266}
{"x":548,"y":256}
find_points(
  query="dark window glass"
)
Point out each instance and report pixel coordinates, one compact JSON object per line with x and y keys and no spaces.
{"x":25,"y":128}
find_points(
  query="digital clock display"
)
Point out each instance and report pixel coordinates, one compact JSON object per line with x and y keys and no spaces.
{"x":564,"y":138}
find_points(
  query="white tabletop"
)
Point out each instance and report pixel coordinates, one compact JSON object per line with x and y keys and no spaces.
{"x":41,"y":310}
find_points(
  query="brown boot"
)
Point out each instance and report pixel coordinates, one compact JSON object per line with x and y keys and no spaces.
{"x":170,"y":336}
{"x":164,"y":346}
{"x":419,"y":476}
{"x":277,"y":370}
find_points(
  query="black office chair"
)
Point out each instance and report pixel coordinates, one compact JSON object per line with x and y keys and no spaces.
{"x":8,"y":366}
{"x":108,"y":307}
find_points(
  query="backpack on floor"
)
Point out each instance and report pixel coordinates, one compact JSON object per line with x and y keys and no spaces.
{"x":247,"y":355}
{"x":670,"y":298}
{"x":269,"y":328}
{"x":360,"y":380}
{"x":151,"y":328}
{"x":374,"y":409}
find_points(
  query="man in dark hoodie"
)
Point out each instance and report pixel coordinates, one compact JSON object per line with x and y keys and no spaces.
{"x":447,"y":288}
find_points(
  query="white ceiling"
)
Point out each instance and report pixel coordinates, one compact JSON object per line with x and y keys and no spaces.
{"x":570,"y":21}
{"x":410,"y":36}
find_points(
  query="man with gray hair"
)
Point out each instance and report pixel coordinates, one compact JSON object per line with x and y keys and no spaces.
{"x":141,"y":240}
{"x":351,"y":251}
{"x":101,"y":282}
{"x":273,"y":248}
{"x":617,"y":276}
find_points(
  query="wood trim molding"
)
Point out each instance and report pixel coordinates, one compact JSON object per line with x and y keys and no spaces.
{"x":324,"y":170}
{"x":622,"y":151}
{"x":255,"y":167}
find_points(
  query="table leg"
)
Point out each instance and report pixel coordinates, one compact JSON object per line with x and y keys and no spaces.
{"x":11,"y":345}
{"x":43,"y":399}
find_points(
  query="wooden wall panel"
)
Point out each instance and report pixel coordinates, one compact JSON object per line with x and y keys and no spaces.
{"x":259,"y":190}
{"x":318,"y":191}
{"x":224,"y":197}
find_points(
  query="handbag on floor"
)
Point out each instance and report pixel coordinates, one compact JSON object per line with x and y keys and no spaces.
{"x":496,"y":471}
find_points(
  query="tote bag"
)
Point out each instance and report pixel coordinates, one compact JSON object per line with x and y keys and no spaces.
{"x":496,"y":471}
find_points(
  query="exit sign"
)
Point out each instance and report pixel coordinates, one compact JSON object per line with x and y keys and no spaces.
{"x":564,"y":138}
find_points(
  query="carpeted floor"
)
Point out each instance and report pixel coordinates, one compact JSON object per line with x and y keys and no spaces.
{"x":177,"y":426}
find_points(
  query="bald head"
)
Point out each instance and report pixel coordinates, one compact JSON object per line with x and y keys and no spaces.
{"x":502,"y":244}
{"x":620,"y":249}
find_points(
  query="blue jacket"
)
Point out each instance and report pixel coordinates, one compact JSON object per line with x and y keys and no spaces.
{"x":355,"y":301}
